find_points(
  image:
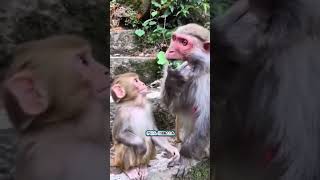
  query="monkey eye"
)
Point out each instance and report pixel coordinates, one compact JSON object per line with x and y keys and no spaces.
{"x":83,"y":60}
{"x":184,"y":42}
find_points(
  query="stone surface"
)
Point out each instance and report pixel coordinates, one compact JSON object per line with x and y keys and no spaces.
{"x":122,"y":42}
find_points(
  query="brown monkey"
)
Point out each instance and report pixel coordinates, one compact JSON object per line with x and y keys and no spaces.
{"x":133,"y":149}
{"x":186,"y":90}
{"x":55,"y":95}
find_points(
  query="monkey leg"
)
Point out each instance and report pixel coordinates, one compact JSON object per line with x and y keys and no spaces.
{"x":177,"y":122}
{"x":126,"y":157}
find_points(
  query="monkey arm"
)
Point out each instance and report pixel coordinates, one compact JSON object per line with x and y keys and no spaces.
{"x":127,"y":137}
{"x":171,"y":86}
{"x":164,"y":143}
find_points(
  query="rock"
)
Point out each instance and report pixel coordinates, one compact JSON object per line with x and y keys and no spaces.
{"x":122,"y":42}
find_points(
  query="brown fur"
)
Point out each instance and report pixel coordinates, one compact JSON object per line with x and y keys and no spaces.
{"x":126,"y":158}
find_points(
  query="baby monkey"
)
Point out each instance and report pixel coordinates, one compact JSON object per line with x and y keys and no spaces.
{"x":133,"y":149}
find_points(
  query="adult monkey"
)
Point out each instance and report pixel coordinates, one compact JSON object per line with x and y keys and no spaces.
{"x":186,"y":90}
{"x":55,"y":94}
{"x":266,"y":69}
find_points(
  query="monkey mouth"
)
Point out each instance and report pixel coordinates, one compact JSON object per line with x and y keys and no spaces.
{"x":144,"y":91}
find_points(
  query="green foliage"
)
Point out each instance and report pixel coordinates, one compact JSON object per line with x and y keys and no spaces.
{"x":164,"y":16}
{"x":200,"y":171}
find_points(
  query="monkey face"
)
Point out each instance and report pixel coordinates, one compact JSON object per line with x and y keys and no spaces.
{"x":179,"y":47}
{"x":139,"y":85}
{"x":92,"y":72}
{"x":182,"y":46}
{"x":127,"y":87}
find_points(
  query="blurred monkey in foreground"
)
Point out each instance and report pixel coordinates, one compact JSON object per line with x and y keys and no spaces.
{"x":55,"y":94}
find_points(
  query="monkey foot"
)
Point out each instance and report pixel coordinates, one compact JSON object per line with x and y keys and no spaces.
{"x":133,"y":174}
{"x":143,"y":172}
{"x":136,"y":173}
{"x":182,"y":171}
{"x":177,"y":141}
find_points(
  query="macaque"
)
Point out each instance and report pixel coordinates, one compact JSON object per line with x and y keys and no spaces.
{"x":133,"y":149}
{"x":55,"y":94}
{"x":186,"y":90}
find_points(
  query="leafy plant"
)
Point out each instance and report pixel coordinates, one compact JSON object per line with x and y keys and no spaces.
{"x":163,"y":17}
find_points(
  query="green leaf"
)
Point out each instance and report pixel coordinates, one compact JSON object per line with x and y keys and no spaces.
{"x":164,"y":1}
{"x":156,"y":4}
{"x":146,"y":22}
{"x":152,"y":23}
{"x":139,"y":32}
{"x":171,"y":8}
{"x":168,"y":34}
{"x":162,"y":60}
{"x":166,"y":13}
{"x":176,"y":64}
{"x":154,"y":13}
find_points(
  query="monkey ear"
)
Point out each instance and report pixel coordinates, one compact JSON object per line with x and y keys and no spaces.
{"x":206,"y":46}
{"x":31,"y":97}
{"x":118,"y":91}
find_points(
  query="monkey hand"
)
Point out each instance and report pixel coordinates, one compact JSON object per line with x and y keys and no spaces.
{"x":175,"y":155}
{"x":141,"y":149}
{"x":175,"y":80}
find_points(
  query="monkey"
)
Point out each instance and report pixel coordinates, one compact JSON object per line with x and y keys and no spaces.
{"x":133,"y":149}
{"x":55,"y":94}
{"x":186,"y":90}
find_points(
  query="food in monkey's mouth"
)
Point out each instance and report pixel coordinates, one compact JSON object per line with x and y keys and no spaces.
{"x":175,"y":64}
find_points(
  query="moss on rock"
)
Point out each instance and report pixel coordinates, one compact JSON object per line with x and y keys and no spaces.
{"x":200,"y":171}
